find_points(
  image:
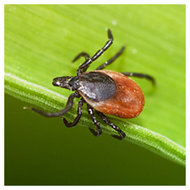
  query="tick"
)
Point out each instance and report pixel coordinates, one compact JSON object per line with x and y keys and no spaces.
{"x":104,"y":92}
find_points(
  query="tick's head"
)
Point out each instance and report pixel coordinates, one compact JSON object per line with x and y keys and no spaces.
{"x":67,"y":82}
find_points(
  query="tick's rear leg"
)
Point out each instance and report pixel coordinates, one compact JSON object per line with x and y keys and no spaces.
{"x":115,"y":127}
{"x":108,"y":62}
{"x":95,"y":121}
{"x":140,"y":75}
{"x":56,"y":114}
{"x":79,"y":113}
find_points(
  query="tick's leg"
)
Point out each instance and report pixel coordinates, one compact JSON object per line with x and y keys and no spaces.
{"x":115,"y":127}
{"x":87,"y":63}
{"x":69,"y":105}
{"x":82,"y":54}
{"x":140,"y":75}
{"x":77,"y":118}
{"x":95,"y":121}
{"x":108,"y":62}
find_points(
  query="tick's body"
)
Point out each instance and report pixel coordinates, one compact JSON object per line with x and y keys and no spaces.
{"x":112,"y":93}
{"x":105,"y":91}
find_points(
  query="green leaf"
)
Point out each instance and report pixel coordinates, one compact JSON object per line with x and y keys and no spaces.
{"x":41,"y":41}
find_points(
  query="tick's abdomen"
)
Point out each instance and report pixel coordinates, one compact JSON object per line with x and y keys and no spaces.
{"x":126,"y":102}
{"x":96,"y":86}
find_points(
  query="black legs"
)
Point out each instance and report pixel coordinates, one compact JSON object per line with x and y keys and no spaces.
{"x":95,"y":121}
{"x":106,"y":120}
{"x":86,"y":64}
{"x":115,"y":127}
{"x":140,"y":75}
{"x":88,"y":60}
{"x":108,"y":62}
{"x":79,"y":113}
{"x":56,"y":114}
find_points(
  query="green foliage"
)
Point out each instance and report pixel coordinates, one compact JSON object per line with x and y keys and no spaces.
{"x":41,"y":40}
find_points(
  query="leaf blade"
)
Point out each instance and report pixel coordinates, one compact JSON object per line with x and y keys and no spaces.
{"x":38,"y":48}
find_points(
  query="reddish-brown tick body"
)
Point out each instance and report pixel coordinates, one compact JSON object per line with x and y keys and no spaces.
{"x":126,"y":102}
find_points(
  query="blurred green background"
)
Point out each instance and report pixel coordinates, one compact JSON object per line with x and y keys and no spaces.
{"x":40,"y":42}
{"x":42,"y":151}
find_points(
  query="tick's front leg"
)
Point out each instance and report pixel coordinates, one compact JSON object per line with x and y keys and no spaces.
{"x":69,"y":105}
